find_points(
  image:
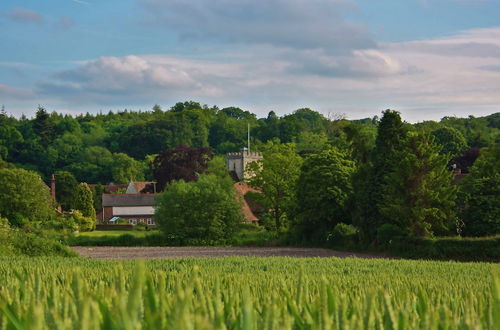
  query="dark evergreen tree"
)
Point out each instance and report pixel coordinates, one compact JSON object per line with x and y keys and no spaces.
{"x":370,"y":179}
{"x":44,"y":127}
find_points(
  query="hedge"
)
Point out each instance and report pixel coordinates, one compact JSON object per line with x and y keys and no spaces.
{"x":448,"y":248}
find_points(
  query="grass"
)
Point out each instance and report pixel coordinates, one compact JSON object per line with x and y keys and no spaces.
{"x":247,"y":293}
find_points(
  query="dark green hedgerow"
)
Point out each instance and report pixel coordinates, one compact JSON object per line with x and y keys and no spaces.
{"x":448,"y":248}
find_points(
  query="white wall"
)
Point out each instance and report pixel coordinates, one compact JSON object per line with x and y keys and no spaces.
{"x":133,"y":210}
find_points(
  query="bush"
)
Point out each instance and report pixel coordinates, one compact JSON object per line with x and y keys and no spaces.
{"x":448,"y":248}
{"x":141,"y":226}
{"x":4,"y":223}
{"x":156,"y":239}
{"x":84,"y":223}
{"x":16,"y":242}
{"x":387,"y":233}
{"x":343,"y":235}
{"x":199,"y":212}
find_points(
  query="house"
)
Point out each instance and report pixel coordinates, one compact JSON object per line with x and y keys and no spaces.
{"x":136,"y":205}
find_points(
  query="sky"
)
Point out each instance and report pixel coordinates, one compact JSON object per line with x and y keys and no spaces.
{"x":425,"y":58}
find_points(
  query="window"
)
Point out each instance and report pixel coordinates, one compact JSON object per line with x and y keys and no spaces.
{"x":132,"y":221}
{"x":151,"y":221}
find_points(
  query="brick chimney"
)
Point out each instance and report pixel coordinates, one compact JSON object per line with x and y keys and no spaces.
{"x":53,"y":187}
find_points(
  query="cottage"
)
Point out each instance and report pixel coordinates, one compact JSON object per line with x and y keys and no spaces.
{"x":136,"y":208}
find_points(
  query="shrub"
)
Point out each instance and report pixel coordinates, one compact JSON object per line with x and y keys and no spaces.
{"x":343,"y":235}
{"x":449,"y":248}
{"x":84,"y":223}
{"x":205,"y":210}
{"x":387,"y":233}
{"x":141,"y":226}
{"x":4,"y":223}
{"x":16,"y":242}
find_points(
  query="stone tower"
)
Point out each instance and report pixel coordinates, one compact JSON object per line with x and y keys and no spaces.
{"x":237,"y":162}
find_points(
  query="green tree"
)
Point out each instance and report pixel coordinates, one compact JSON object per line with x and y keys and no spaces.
{"x":451,"y":140}
{"x":323,"y":190}
{"x":43,"y":125}
{"x":126,"y":168}
{"x":370,"y":179}
{"x":84,"y":202}
{"x":24,"y":195}
{"x":480,"y":209}
{"x":275,"y":176}
{"x":66,"y":189}
{"x":97,"y":192}
{"x":202,"y":211}
{"x":418,"y":195}
{"x":480,"y":195}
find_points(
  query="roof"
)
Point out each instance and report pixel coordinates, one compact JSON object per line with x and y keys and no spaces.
{"x":128,"y":199}
{"x":111,"y":188}
{"x":135,"y":187}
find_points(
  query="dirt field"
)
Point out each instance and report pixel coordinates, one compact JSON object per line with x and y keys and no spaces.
{"x":114,"y":252}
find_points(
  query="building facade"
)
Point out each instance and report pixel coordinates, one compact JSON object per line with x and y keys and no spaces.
{"x":237,"y":163}
{"x":134,"y":205}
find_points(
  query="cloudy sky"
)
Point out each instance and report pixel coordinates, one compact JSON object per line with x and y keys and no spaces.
{"x":425,"y":58}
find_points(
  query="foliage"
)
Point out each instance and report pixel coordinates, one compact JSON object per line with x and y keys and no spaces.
{"x":275,"y":176}
{"x":97,"y":192}
{"x":247,"y":293}
{"x":204,"y":210}
{"x":84,"y":201}
{"x":323,"y":191}
{"x":418,"y":195}
{"x":481,"y":206}
{"x":15,"y":243}
{"x":448,"y":248}
{"x":24,"y":195}
{"x":388,"y":232}
{"x":66,"y":189}
{"x":371,"y":178}
{"x":452,"y":142}
{"x":180,"y":163}
{"x":343,"y":235}
{"x":487,"y":164}
{"x":126,"y":169}
{"x":85,"y":223}
{"x":480,"y":195}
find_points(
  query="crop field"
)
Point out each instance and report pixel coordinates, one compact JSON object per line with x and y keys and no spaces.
{"x":247,"y":293}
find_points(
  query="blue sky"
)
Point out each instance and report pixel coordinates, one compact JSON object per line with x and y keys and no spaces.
{"x":425,"y":58}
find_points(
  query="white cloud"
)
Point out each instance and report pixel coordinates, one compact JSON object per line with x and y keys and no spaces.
{"x":298,"y":24}
{"x":422,"y":82}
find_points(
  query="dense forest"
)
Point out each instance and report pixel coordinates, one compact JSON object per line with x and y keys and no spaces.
{"x":321,"y":179}
{"x":118,"y":147}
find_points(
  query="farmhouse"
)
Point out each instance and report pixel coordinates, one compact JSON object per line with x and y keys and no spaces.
{"x":134,"y":205}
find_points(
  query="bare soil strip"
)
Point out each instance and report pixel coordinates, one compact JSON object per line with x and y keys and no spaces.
{"x":118,"y":252}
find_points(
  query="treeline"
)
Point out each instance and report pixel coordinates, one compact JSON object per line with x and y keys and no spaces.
{"x":117,"y":147}
{"x":384,"y":189}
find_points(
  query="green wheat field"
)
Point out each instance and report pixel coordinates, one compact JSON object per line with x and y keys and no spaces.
{"x":247,"y":293}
